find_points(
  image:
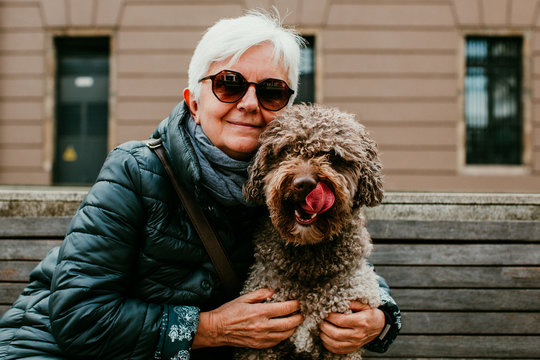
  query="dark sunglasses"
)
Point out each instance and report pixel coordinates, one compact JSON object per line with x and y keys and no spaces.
{"x":229,"y":87}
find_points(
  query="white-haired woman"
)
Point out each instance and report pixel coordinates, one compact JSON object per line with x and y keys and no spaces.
{"x":132,"y":279}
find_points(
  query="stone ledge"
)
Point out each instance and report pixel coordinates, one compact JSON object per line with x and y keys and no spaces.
{"x":22,"y":201}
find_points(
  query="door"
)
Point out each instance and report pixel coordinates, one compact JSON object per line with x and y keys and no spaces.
{"x":82,"y":109}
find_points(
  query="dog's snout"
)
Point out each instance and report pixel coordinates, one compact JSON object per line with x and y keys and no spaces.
{"x":304,"y":184}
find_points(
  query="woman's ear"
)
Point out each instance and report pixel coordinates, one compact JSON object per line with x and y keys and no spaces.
{"x":192,"y":105}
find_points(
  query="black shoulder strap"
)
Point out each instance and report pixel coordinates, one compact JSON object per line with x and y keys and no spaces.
{"x":206,"y":232}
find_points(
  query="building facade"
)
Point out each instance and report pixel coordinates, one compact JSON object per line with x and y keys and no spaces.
{"x":449,"y":88}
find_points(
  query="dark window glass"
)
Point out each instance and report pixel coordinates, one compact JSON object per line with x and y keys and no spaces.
{"x":306,"y":85}
{"x":493,"y":110}
{"x":82,"y":100}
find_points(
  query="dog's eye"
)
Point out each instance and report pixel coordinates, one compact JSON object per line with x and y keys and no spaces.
{"x":280,"y":153}
{"x":335,"y":158}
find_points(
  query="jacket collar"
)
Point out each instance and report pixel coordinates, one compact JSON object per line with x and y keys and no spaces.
{"x":179,"y":148}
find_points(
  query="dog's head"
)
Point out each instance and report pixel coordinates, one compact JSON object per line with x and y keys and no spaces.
{"x":315,"y":167}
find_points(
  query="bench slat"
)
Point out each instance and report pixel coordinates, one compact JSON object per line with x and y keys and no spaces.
{"x":467,"y":299}
{"x":399,"y":276}
{"x":34,"y":226}
{"x":9,"y":292}
{"x":16,"y":270}
{"x":26,"y":249}
{"x":522,"y":230}
{"x":456,"y":254}
{"x":488,"y":347}
{"x":368,"y":356}
{"x":475,"y":323}
{"x":461,"y":276}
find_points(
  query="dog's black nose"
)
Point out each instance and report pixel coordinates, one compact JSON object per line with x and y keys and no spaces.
{"x":304,"y":184}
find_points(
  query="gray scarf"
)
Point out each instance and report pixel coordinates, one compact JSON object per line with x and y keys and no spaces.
{"x":222,"y":176}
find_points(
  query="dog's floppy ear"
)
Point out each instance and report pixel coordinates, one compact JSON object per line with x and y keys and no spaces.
{"x":253,"y":189}
{"x":370,"y":182}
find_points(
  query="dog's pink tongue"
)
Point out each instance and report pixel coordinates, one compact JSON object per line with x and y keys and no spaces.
{"x":319,"y":199}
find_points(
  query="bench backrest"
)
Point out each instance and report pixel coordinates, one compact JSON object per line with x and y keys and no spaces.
{"x":465,"y":269}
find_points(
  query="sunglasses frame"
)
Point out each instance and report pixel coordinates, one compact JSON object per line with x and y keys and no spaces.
{"x":248,"y":84}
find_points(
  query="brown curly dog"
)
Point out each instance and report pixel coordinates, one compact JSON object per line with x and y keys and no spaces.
{"x":316,"y":167}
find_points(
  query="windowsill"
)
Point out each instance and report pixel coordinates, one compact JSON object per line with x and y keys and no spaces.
{"x":495,"y":170}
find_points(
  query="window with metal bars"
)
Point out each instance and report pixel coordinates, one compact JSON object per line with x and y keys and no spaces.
{"x":493,"y":109}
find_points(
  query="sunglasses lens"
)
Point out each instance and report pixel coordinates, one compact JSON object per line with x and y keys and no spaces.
{"x":273,"y":94}
{"x":229,"y":86}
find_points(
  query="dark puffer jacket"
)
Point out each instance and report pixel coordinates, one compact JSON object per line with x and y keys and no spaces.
{"x":131,"y":275}
{"x":131,"y":264}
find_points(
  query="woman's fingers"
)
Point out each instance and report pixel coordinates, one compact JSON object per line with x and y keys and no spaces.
{"x":251,"y":322}
{"x":281,"y":309}
{"x":337,"y":346}
{"x":256,"y":296}
{"x":272,"y":309}
{"x":286,"y":323}
{"x":345,"y":333}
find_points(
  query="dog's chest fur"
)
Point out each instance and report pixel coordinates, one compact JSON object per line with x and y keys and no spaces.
{"x":323,"y":277}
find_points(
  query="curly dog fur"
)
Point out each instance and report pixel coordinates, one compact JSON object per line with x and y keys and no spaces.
{"x":318,"y":259}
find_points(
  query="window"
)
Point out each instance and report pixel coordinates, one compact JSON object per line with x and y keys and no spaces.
{"x":82,"y":109}
{"x":306,"y":85}
{"x":493,"y":109}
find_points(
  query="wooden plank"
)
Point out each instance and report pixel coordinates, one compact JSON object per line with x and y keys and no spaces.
{"x":461,"y":276}
{"x":479,"y":323}
{"x":522,"y":230}
{"x":467,"y":299}
{"x":367,"y":356}
{"x":26,"y":249}
{"x":9,"y":292}
{"x":34,"y":226}
{"x":454,"y":254}
{"x":487,"y":347}
{"x":16,"y":270}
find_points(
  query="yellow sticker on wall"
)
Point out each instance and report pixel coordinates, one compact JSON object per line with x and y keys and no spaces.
{"x":69,"y":154}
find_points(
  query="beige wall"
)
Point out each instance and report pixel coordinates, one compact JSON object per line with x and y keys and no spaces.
{"x":397,"y":64}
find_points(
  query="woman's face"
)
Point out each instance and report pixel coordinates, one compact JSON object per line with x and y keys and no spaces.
{"x":235,"y":127}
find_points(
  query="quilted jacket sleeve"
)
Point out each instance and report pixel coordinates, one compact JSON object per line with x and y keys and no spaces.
{"x":392,"y":315}
{"x":92,"y":315}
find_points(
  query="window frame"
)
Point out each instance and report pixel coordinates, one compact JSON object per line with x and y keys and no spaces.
{"x":318,"y":59}
{"x":49,"y":100}
{"x":525,"y":167}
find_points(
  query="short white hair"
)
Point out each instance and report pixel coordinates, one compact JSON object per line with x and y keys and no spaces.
{"x":230,"y":38}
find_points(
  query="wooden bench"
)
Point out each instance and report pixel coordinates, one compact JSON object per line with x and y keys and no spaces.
{"x":32,"y":221}
{"x":464,"y":268}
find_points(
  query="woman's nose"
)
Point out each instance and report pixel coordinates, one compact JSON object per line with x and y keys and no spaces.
{"x":249,"y":101}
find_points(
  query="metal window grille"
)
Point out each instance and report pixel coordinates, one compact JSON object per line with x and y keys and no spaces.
{"x":493,"y":110}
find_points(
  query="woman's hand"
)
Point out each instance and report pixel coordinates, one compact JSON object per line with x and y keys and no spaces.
{"x":248,"y":322}
{"x":346,"y":333}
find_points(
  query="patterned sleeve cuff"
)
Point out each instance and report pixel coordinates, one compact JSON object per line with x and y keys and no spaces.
{"x":178,"y":328}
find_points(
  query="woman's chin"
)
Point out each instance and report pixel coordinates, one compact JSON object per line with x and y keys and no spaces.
{"x":240,"y":148}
